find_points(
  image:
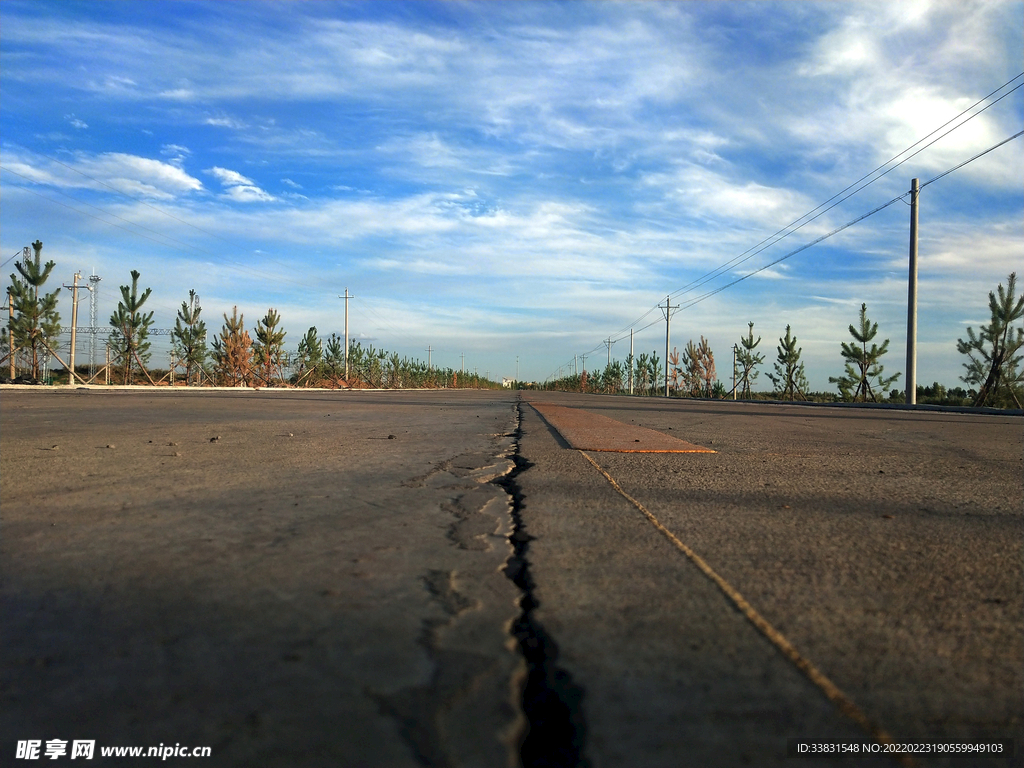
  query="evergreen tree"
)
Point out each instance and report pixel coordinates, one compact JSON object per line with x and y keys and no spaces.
{"x":129,"y":340}
{"x":677,"y":374}
{"x":748,"y":360}
{"x":862,"y":364}
{"x":311,"y":357}
{"x":268,"y":349}
{"x":334,"y":357}
{"x":188,"y":339}
{"x":232,"y":352}
{"x":992,"y":353}
{"x":789,"y":379}
{"x":642,"y":380}
{"x":36,"y":323}
{"x":656,"y":372}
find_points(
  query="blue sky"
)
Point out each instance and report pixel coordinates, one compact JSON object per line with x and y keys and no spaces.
{"x":506,"y":180}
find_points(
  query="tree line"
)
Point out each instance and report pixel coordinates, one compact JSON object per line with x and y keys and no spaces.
{"x":993,"y":368}
{"x":234,"y":357}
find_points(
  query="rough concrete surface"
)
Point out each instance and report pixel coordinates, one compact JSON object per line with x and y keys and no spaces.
{"x":272,"y":575}
{"x":437,"y":578}
{"x":886,"y":546}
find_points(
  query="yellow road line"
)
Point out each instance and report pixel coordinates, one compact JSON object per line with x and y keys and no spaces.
{"x":816,"y":676}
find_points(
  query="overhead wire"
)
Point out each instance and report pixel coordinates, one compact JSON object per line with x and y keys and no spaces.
{"x":807,"y":218}
{"x":820,"y":239}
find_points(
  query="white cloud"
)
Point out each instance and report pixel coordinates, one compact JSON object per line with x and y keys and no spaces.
{"x":245,"y":193}
{"x":126,"y":173}
{"x":225,"y":122}
{"x":239,"y":188}
{"x":228,"y":177}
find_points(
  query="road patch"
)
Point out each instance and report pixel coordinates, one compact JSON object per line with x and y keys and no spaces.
{"x":586,"y":431}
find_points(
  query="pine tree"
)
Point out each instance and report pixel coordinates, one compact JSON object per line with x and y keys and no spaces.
{"x":643,"y":373}
{"x":334,"y":357}
{"x":311,"y":357}
{"x":36,"y":322}
{"x":232,"y":351}
{"x":188,"y":339}
{"x":268,"y":349}
{"x":789,"y":379}
{"x":992,"y":353}
{"x":748,"y":360}
{"x":656,"y":372}
{"x":677,"y":374}
{"x":862,"y":364}
{"x":129,"y":339}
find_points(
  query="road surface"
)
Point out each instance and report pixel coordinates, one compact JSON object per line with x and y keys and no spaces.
{"x":438,"y":578}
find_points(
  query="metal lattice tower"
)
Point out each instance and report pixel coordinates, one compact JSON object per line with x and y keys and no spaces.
{"x":94,"y":284}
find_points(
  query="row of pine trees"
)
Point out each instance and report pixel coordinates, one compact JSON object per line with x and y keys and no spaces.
{"x":237,"y":358}
{"x":234,"y":357}
{"x":993,"y":368}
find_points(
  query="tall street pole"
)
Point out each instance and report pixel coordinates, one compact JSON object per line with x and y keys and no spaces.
{"x":631,"y":361}
{"x":346,"y":297}
{"x":668,"y":320}
{"x":911,"y":396}
{"x":74,"y":327}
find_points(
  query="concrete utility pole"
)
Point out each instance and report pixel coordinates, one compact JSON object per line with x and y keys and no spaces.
{"x":10,"y":334}
{"x":631,"y":361}
{"x":74,"y":326}
{"x":733,"y":371}
{"x":346,"y":297}
{"x":911,"y":397}
{"x":429,"y":366}
{"x":517,"y":367}
{"x":583,"y":358}
{"x":608,"y":343}
{"x":668,"y":320}
{"x":463,"y":363}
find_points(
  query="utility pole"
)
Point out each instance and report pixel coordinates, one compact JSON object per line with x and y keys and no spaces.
{"x":608,"y":342}
{"x":517,"y":367}
{"x":10,"y":328}
{"x":911,"y":397}
{"x":668,"y":319}
{"x":584,"y":359}
{"x":631,"y":360}
{"x":575,"y":366}
{"x":74,"y":326}
{"x":346,"y":297}
{"x":463,"y":363}
{"x":429,"y":366}
{"x":94,"y":286}
{"x":733,"y":371}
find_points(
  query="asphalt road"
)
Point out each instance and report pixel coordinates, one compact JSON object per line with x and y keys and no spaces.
{"x":885,"y":545}
{"x":435,"y":578}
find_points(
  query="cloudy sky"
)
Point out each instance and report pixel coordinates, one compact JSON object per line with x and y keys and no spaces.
{"x":519,"y":179}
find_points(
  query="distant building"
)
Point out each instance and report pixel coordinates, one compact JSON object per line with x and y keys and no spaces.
{"x":508,"y":382}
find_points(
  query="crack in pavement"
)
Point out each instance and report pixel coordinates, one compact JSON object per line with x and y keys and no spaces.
{"x":551,"y":702}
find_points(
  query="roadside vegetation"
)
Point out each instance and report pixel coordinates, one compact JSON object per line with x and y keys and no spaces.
{"x":234,"y":356}
{"x":993,"y":372}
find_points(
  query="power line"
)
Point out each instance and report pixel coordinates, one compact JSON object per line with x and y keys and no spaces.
{"x":835,"y":231}
{"x":802,"y":221}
